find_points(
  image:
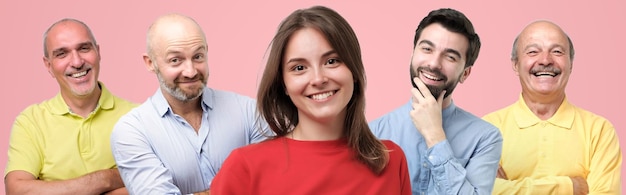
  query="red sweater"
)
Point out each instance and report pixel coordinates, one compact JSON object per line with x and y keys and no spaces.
{"x":287,"y":166}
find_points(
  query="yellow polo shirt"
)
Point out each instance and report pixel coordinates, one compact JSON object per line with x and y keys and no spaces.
{"x":53,"y":144}
{"x":540,"y":156}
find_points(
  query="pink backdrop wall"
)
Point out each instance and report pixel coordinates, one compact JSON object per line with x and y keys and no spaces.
{"x":239,"y":32}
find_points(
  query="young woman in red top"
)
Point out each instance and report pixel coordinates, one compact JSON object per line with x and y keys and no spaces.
{"x":312,"y":95}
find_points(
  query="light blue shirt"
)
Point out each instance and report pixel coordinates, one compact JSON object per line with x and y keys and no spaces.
{"x":158,"y":152}
{"x":465,"y":163}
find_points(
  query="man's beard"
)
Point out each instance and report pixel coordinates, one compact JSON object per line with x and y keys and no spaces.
{"x":435,"y":90}
{"x":177,"y":92}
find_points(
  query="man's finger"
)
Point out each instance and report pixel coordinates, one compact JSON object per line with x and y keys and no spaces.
{"x":501,"y":174}
{"x":440,"y":98}
{"x":422,"y":88}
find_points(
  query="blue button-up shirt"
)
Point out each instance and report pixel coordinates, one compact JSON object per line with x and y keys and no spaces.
{"x":465,"y":163}
{"x":158,"y":152}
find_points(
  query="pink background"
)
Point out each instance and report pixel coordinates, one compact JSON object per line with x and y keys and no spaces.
{"x":239,"y":32}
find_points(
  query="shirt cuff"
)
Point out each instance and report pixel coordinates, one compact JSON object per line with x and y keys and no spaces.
{"x":439,"y":154}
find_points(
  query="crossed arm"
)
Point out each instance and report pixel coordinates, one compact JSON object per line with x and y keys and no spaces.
{"x":106,"y":181}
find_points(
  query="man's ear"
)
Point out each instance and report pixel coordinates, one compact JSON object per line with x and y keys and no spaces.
{"x":148,"y":62}
{"x":466,"y":73}
{"x":46,"y":63}
{"x":514,"y":66}
{"x":98,"y":50}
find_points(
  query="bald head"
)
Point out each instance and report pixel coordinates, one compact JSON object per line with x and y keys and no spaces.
{"x":61,"y":22}
{"x":171,"y":27}
{"x":544,"y":27}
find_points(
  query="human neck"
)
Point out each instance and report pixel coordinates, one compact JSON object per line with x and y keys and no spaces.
{"x":312,"y":130}
{"x":184,"y":107}
{"x":82,"y":105}
{"x":543,"y":106}
{"x":446,"y":102}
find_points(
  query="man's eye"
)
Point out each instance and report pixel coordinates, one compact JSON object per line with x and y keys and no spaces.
{"x":452,"y":58}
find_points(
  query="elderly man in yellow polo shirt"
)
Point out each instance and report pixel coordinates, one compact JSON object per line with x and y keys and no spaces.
{"x":61,"y":145}
{"x":551,"y":146}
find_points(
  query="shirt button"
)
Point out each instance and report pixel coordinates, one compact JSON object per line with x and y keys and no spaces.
{"x":425,"y":165}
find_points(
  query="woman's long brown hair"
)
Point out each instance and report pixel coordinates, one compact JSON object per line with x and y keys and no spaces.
{"x":280,"y":112}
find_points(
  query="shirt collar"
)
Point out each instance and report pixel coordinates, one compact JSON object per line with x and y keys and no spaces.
{"x":105,"y":102}
{"x":563,"y":117}
{"x":445,"y":113}
{"x":163,"y":107}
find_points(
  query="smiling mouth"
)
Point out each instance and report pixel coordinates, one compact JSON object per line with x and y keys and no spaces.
{"x":552,"y":74}
{"x":430,"y":76}
{"x":322,"y":96}
{"x":79,"y":74}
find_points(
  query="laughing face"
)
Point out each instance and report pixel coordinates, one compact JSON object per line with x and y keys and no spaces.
{"x":317,"y":81}
{"x":73,"y":58}
{"x":439,"y":59}
{"x":543,"y":61}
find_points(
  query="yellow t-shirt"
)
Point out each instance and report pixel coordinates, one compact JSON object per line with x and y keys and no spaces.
{"x":540,"y":156}
{"x":53,"y":144}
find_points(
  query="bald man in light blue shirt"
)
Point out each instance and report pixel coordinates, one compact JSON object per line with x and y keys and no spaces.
{"x":176,"y":141}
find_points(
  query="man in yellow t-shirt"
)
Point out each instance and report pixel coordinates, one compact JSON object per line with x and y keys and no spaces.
{"x":551,"y":146}
{"x":61,"y":146}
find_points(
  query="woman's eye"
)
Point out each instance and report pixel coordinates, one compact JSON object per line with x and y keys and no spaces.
{"x":333,"y":61}
{"x":298,"y":68}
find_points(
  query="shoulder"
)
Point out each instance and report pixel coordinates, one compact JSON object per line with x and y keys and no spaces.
{"x":498,"y":116}
{"x":392,"y":147}
{"x":228,"y":100}
{"x":136,"y":118}
{"x":124,"y":104}
{"x":262,"y":146}
{"x":32,"y":110}
{"x":592,"y":122}
{"x":259,"y":152}
{"x":396,"y":117}
{"x":588,"y":115}
{"x":474,"y":123}
{"x":109,"y":101}
{"x":41,"y":110}
{"x":229,"y":95}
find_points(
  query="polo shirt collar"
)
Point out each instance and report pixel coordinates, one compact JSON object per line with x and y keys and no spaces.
{"x":563,"y":117}
{"x":105,"y":102}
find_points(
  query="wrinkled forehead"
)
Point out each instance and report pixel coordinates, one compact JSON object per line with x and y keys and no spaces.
{"x":67,"y":33}
{"x":543,"y":33}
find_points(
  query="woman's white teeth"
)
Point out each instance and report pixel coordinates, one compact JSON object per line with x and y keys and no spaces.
{"x":79,"y":74}
{"x":322,"y":95}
